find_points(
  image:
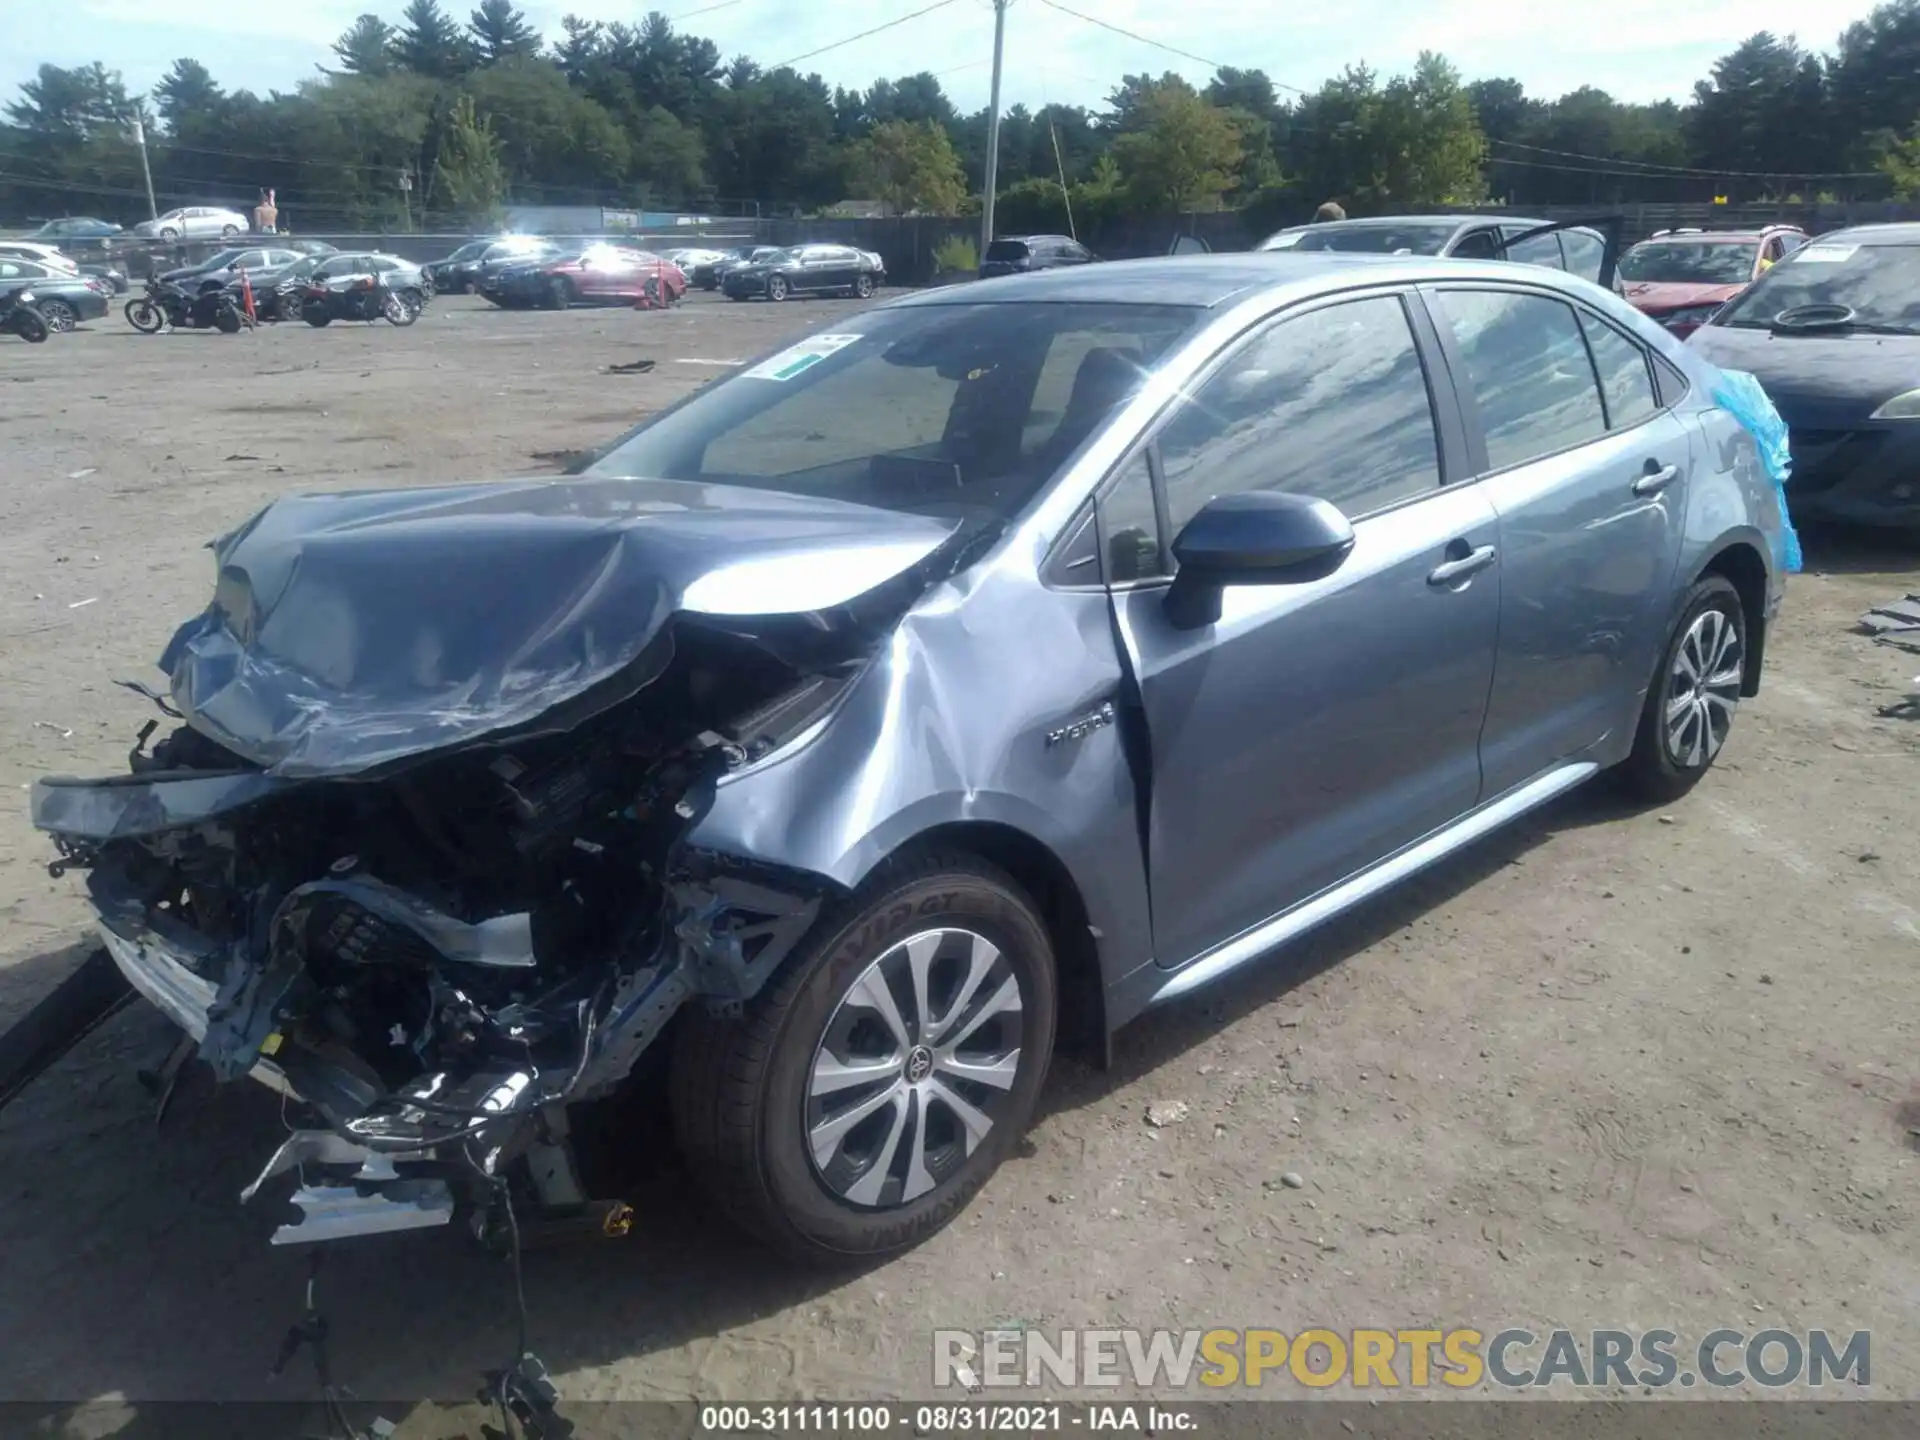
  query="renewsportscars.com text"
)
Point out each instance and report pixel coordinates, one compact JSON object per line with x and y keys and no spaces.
{"x":1461,"y":1358}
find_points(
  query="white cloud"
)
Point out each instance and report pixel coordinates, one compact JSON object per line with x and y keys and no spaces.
{"x":1636,"y":49}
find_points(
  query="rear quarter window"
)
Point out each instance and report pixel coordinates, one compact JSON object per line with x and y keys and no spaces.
{"x":1007,"y":250}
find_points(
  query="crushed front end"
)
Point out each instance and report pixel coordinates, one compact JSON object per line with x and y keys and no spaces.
{"x":439,"y":963}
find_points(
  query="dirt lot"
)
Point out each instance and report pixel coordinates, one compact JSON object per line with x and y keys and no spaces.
{"x":1608,"y":1069}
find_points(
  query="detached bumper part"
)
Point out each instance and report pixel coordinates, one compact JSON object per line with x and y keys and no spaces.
{"x":375,"y":1200}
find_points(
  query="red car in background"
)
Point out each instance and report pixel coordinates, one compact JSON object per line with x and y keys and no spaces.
{"x":1680,"y":277}
{"x":596,"y":275}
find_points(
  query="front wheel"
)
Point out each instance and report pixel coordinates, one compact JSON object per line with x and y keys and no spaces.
{"x":863,"y":287}
{"x":316,"y":317}
{"x":27,"y":324}
{"x":1691,"y":703}
{"x":559,"y":293}
{"x":871,"y":1089}
{"x":145,"y":316}
{"x":227,"y":232}
{"x":59,"y":315}
{"x":776,"y":288}
{"x":398,"y":309}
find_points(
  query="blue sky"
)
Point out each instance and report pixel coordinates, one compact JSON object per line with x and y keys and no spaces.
{"x":1636,"y":49}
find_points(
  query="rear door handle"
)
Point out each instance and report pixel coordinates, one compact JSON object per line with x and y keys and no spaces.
{"x":1654,"y":481}
{"x":1472,"y":563}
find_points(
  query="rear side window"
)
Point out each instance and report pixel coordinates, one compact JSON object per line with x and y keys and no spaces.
{"x":1625,"y":381}
{"x":1332,"y":404}
{"x":1540,"y":250}
{"x":1007,"y":250}
{"x":1585,"y":253}
{"x":1528,"y":371}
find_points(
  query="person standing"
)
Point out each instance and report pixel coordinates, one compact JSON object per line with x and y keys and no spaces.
{"x":266,"y":215}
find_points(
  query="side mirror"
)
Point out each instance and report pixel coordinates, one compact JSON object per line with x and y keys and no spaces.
{"x":1257,"y":537}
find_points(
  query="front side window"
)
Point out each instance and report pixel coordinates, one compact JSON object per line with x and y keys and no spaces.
{"x":1476,"y":245}
{"x":1528,"y":371}
{"x":938,"y":409}
{"x":1540,"y":250}
{"x":1332,"y":404}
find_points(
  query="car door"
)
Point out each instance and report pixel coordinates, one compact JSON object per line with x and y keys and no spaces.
{"x":1318,"y":725}
{"x":1535,"y":249}
{"x":1587,"y":472}
{"x":1479,"y":244}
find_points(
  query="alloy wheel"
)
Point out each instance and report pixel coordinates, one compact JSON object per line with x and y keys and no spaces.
{"x":916,"y":1066}
{"x":1703,"y":689}
{"x":58,"y":315}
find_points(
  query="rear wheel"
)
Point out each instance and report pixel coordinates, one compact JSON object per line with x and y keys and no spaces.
{"x":559,"y":293}
{"x":28,"y":325}
{"x":1691,"y":703}
{"x":287,"y":306}
{"x":863,"y":287}
{"x":59,"y":315}
{"x":227,"y":320}
{"x":227,"y":232}
{"x":315,"y":317}
{"x":776,"y":287}
{"x":870,"y":1091}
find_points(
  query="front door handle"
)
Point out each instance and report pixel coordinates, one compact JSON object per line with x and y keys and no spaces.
{"x":1654,"y":481}
{"x":1472,"y":563}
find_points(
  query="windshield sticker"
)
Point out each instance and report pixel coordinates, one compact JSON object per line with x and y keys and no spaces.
{"x":802,"y":357}
{"x":1825,"y":254}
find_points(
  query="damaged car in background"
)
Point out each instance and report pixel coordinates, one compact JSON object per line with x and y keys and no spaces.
{"x":978,"y":673}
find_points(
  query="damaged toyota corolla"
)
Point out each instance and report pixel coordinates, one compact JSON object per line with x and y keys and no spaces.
{"x":1000,"y":662}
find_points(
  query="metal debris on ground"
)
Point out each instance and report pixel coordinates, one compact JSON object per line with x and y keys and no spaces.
{"x":62,"y":731}
{"x":632,"y":367}
{"x":1895,"y":623}
{"x":1166,"y":1112}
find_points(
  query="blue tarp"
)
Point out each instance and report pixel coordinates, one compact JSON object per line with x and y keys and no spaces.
{"x":1742,"y":397}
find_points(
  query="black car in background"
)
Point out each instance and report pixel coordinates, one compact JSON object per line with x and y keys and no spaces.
{"x":1832,"y":333}
{"x":806,"y":270}
{"x":77,"y":234}
{"x":467,"y":269}
{"x":227,"y":264}
{"x":62,"y":299}
{"x":708,"y":274}
{"x":1017,"y":254}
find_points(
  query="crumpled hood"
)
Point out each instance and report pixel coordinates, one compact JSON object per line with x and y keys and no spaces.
{"x":1657,"y":295}
{"x":1821,"y":382}
{"x":351,"y":631}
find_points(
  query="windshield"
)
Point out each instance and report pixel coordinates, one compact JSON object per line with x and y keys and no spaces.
{"x":469,"y":251}
{"x":1411,"y":236}
{"x":1879,"y":284}
{"x":952,"y":410}
{"x":219,"y":258}
{"x":1689,"y":262}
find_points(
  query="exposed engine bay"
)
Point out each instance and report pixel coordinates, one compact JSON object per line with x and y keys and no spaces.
{"x":441,"y":960}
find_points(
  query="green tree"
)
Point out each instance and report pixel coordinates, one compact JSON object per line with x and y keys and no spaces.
{"x":1430,"y":146}
{"x":501,"y":32}
{"x":430,"y":44}
{"x":366,"y":47}
{"x":72,"y":104}
{"x":555,"y":142}
{"x":910,"y":166}
{"x":187,"y":97}
{"x":1765,"y":107}
{"x":1184,"y":154}
{"x":471,"y":181}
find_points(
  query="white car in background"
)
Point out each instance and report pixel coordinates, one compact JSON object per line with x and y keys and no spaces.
{"x":194,"y":222}
{"x":47,"y":255}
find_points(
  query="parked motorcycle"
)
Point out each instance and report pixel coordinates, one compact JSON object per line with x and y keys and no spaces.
{"x":166,"y":303}
{"x":19,"y":317}
{"x":363,"y":297}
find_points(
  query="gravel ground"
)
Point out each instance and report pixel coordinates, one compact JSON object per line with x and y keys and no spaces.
{"x":1607,"y":1069}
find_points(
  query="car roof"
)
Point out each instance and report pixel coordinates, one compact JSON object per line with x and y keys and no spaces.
{"x":1210,"y":281}
{"x":1899,"y":233}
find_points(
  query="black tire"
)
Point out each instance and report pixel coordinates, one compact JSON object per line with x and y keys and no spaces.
{"x":28,"y":325}
{"x":145,"y":316}
{"x":469,"y":287}
{"x":559,"y":293}
{"x":863,"y":288}
{"x":227,"y":320}
{"x":316,"y":318}
{"x":169,"y":234}
{"x":227,"y":232}
{"x":287,"y":307}
{"x":398,"y":309}
{"x":59,"y":315}
{"x":1670,"y":757}
{"x":740,"y":1088}
{"x":777,"y":288}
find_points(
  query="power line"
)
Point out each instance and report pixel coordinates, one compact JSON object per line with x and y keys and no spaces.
{"x":875,"y":30}
{"x":1158,"y":44}
{"x":1682,"y":170}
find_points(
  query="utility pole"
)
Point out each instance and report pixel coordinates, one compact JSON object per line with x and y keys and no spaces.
{"x":140,"y":139}
{"x":993,"y":128}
